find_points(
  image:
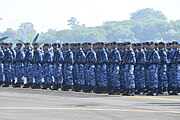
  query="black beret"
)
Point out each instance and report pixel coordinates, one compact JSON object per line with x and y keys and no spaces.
{"x":175,"y":42}
{"x":139,"y":44}
{"x":10,"y":43}
{"x":19,"y":44}
{"x":54,"y":44}
{"x":6,"y":43}
{"x":65,"y":44}
{"x":46,"y":44}
{"x":128,"y":43}
{"x":114,"y":43}
{"x":27,"y":43}
{"x":162,"y":43}
{"x":35,"y":44}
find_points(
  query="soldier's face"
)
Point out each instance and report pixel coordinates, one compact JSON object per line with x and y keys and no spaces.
{"x":36,"y":46}
{"x":27,"y":46}
{"x":5,"y":46}
{"x":55,"y":47}
{"x":19,"y":46}
{"x":9,"y":46}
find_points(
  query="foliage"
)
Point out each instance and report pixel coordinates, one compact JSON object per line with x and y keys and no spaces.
{"x":144,"y":25}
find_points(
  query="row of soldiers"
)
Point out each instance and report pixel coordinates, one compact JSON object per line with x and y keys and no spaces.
{"x":113,"y":68}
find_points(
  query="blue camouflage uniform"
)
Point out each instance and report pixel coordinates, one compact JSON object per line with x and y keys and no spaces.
{"x":2,"y":78}
{"x":79,"y":60}
{"x":153,"y":59}
{"x":175,"y":69}
{"x":19,"y":66}
{"x":130,"y":61}
{"x":46,"y":68}
{"x":37,"y":69}
{"x":28,"y":68}
{"x":68,"y":69}
{"x":140,"y":73}
{"x":13,"y":68}
{"x":114,"y":69}
{"x":8,"y":59}
{"x":90,"y":76}
{"x":122,"y":70}
{"x":102,"y":61}
{"x":162,"y":70}
{"x":58,"y":60}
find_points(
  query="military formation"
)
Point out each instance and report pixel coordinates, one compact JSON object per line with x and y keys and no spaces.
{"x":114,"y":68}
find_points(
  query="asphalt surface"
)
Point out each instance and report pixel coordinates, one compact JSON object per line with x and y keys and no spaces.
{"x":28,"y":104}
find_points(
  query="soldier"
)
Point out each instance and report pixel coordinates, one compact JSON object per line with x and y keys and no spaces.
{"x":153,"y":59}
{"x":28,"y":69}
{"x":114,"y":69}
{"x":175,"y":69}
{"x":46,"y":67}
{"x":130,"y":61}
{"x":89,"y":69}
{"x":58,"y":60}
{"x":7,"y":61}
{"x":162,"y":69}
{"x":19,"y":66}
{"x":1,"y":65}
{"x":13,"y":51}
{"x":79,"y":60}
{"x":140,"y":73}
{"x":121,"y":47}
{"x":37,"y":69}
{"x":102,"y":61}
{"x":67,"y":67}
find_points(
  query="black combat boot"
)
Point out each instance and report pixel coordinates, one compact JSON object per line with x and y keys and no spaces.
{"x":27,"y":85}
{"x":155,"y":92}
{"x":117,"y":91}
{"x":6,"y":84}
{"x":17,"y":85}
{"x":55,"y":87}
{"x":49,"y":85}
{"x":111,"y":90}
{"x":1,"y":83}
{"x":36,"y":86}
{"x":174,"y":91}
{"x":131,"y":92}
{"x":44,"y":86}
{"x":98,"y":90}
{"x":76,"y":88}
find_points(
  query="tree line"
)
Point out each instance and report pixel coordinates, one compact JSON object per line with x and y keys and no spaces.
{"x":144,"y":25}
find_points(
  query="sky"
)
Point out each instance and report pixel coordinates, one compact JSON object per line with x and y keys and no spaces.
{"x":46,"y":14}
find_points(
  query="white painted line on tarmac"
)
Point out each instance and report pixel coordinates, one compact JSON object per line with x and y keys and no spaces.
{"x":88,"y":109}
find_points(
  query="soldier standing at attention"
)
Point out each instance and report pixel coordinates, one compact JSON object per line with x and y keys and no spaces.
{"x":19,"y":65}
{"x":58,"y":60}
{"x":130,"y":61}
{"x":153,"y":59}
{"x":67,"y":67}
{"x":28,"y":69}
{"x":79,"y":60}
{"x":114,"y":70}
{"x":140,"y":72}
{"x":1,"y":65}
{"x":162,"y":68}
{"x":47,"y":65}
{"x":13,"y":51}
{"x":89,"y":68}
{"x":102,"y":62}
{"x":7,"y":61}
{"x":37,"y":69}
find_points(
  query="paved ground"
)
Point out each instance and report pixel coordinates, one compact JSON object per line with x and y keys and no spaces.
{"x":20,"y":104}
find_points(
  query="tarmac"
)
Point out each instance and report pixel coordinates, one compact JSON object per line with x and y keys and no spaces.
{"x":30,"y":104}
